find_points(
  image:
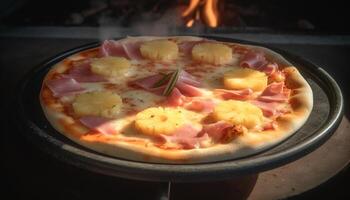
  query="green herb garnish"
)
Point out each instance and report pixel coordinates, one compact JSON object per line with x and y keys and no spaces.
{"x":165,"y":78}
{"x":172,"y":82}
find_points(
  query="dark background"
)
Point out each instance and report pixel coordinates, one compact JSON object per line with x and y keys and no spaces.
{"x":320,"y":16}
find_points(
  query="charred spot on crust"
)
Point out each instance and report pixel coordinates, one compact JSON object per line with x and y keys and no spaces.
{"x":233,"y":132}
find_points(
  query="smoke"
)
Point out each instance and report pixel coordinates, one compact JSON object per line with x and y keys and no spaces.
{"x":147,"y":24}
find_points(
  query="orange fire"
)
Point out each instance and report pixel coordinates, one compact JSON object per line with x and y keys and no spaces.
{"x":206,"y":10}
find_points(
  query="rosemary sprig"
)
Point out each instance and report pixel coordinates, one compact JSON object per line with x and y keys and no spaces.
{"x":172,"y":82}
{"x":163,"y":80}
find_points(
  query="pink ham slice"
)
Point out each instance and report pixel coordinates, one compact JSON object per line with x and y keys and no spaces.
{"x":158,"y":90}
{"x":201,"y":105}
{"x":188,"y":79}
{"x":272,"y":89}
{"x":147,"y":83}
{"x":186,"y":136}
{"x":186,"y":47}
{"x":254,"y":60}
{"x":234,"y":94}
{"x":283,"y":97}
{"x":129,"y":50}
{"x":82,"y":73}
{"x":64,"y":86}
{"x":216,"y":130}
{"x":112,"y":48}
{"x":188,"y":90}
{"x":268,"y":109}
{"x":270,"y":68}
{"x":175,"y":98}
{"x":132,"y":50}
{"x":275,"y":92}
{"x":100,"y":124}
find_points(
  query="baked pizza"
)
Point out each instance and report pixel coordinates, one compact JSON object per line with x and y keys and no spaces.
{"x":176,"y":99}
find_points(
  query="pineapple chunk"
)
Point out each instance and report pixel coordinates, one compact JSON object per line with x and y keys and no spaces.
{"x":159,"y":120}
{"x":164,"y":50}
{"x":97,"y":103}
{"x":110,"y":66}
{"x":212,"y":53}
{"x":238,"y":113}
{"x":241,"y":78}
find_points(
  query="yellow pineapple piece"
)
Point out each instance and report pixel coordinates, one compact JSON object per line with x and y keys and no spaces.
{"x":241,"y":78}
{"x":164,"y":50}
{"x":238,"y":113}
{"x":159,"y":120}
{"x":97,"y":103}
{"x":213,"y":53}
{"x":110,"y":66}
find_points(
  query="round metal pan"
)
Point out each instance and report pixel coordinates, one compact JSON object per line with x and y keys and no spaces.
{"x":324,"y":119}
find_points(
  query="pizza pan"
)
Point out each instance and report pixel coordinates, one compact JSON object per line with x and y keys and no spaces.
{"x":324,"y":119}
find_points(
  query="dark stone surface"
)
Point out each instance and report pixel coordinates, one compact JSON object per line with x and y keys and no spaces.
{"x":29,"y":173}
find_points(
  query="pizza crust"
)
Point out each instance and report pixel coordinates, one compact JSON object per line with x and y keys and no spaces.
{"x":251,"y":143}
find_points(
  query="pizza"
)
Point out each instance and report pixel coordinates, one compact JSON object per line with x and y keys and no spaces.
{"x":178,"y":99}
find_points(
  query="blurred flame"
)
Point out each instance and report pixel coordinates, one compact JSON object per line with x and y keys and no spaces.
{"x":190,"y":23}
{"x":193,"y":5}
{"x":209,"y":12}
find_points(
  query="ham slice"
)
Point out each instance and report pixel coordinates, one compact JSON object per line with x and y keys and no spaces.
{"x":216,"y":130}
{"x":186,"y":136}
{"x":257,"y":61}
{"x":175,"y":98}
{"x":270,"y":99}
{"x":272,"y":89}
{"x":270,"y":68}
{"x":187,"y":84}
{"x":64,"y":86}
{"x":201,"y":105}
{"x":243,"y":94}
{"x":125,"y":49}
{"x":132,"y":50}
{"x":254,"y":60}
{"x":186,"y":47}
{"x":158,"y":90}
{"x":188,"y":90}
{"x":283,"y":97}
{"x":275,"y":92}
{"x":147,"y":83}
{"x":112,"y":48}
{"x":268,"y":109}
{"x":100,"y":124}
{"x":188,"y":79}
{"x":82,"y":73}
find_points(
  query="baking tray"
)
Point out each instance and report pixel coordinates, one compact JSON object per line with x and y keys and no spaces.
{"x":324,"y":119}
